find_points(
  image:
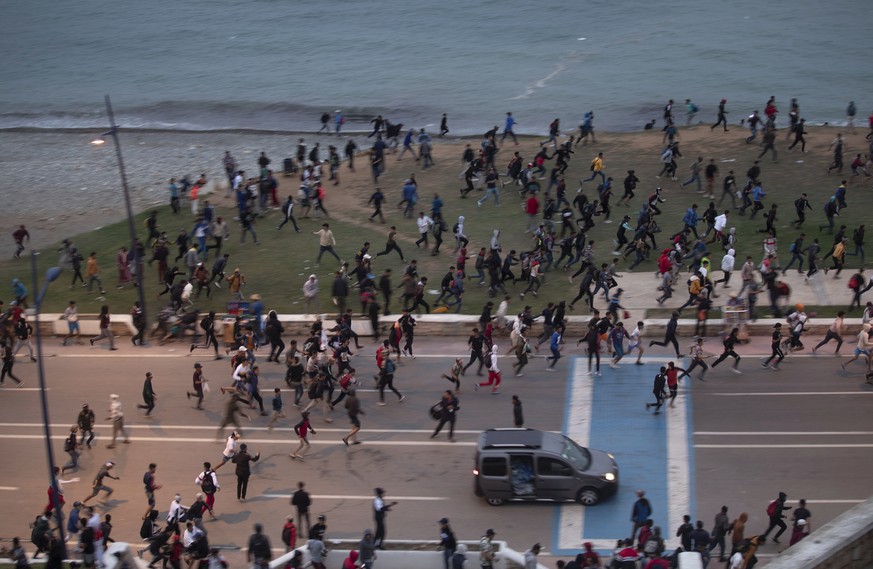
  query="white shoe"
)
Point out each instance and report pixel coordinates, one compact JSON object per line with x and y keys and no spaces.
{"x":736,"y":371}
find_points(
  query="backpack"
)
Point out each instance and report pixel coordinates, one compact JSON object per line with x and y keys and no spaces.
{"x":771,"y":509}
{"x":694,"y":108}
{"x":389,"y":366}
{"x":146,"y":530}
{"x":793,"y":247}
{"x":207,"y":484}
{"x":345,"y":382}
{"x":455,"y":228}
{"x":854,"y":282}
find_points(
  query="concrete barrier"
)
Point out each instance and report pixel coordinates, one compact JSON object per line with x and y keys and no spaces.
{"x":456,"y":325}
{"x":409,"y":554}
{"x":846,"y":542}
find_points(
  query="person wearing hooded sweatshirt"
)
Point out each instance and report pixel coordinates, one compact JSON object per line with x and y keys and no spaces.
{"x":774,"y":512}
{"x":367,"y":550}
{"x":727,"y":267}
{"x":495,"y":240}
{"x":351,"y":562}
{"x":460,"y":237}
{"x":459,"y":557}
{"x":738,"y":532}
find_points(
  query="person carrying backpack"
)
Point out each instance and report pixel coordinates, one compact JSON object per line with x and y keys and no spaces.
{"x":774,"y":513}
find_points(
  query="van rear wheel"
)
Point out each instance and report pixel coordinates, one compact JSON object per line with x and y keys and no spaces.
{"x":588,"y":496}
{"x":494,"y":501}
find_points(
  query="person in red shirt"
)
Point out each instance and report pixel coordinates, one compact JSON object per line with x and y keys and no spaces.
{"x":673,"y":381}
{"x":532,"y":209}
{"x":627,"y":556}
{"x":289,"y":534}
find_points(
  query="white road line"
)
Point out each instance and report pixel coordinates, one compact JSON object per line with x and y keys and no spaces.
{"x":313,"y":441}
{"x":678,"y":472}
{"x":213,"y":428}
{"x":789,"y":446}
{"x":361,"y":497}
{"x":23,"y":389}
{"x":9,"y":488}
{"x":789,"y":393}
{"x":780,"y":433}
{"x":578,"y":428}
{"x":835,"y":501}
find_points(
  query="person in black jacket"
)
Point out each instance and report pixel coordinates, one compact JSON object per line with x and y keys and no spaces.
{"x":670,"y":334}
{"x":301,"y":500}
{"x":273,"y":330}
{"x":448,"y":408}
{"x":259,"y":552}
{"x":774,"y":512}
{"x":243,"y":470}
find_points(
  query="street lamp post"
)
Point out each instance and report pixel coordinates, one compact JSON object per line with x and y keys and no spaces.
{"x":113,"y":132}
{"x":50,"y":275}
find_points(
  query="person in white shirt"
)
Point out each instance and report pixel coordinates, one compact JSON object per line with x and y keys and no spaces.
{"x":493,"y":373}
{"x":191,"y":534}
{"x":117,"y":417}
{"x":230,"y":446}
{"x":176,"y":510}
{"x":719,"y":225}
{"x":727,"y":267}
{"x":424,"y":224}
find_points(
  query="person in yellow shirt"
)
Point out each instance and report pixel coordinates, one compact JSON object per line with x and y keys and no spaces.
{"x":839,"y":256}
{"x":93,"y":271}
{"x":597,"y":169}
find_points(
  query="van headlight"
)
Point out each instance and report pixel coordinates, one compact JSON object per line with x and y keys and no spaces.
{"x":609,"y":477}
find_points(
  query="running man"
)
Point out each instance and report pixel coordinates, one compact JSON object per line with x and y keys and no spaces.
{"x":729,"y":343}
{"x":98,"y":485}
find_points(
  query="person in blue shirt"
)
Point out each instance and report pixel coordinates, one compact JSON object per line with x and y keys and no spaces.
{"x":277,"y":408}
{"x":508,"y":129}
{"x":555,"y":346}
{"x":436,"y":207}
{"x":407,"y":144}
{"x":757,"y":195}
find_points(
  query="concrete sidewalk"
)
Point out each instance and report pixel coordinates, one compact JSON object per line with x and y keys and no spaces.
{"x":640,"y":289}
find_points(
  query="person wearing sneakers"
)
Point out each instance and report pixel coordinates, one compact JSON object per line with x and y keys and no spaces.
{"x":198,"y":381}
{"x":776,"y":347}
{"x":302,"y":430}
{"x":730,"y":341}
{"x":493,"y":373}
{"x":448,"y":408}
{"x":353,"y":409}
{"x":98,"y":485}
{"x":117,"y":417}
{"x":862,"y":347}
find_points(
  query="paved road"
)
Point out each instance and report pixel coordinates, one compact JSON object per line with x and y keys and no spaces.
{"x":734,"y":440}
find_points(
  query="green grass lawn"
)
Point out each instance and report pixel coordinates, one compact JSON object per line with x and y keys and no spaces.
{"x":277,"y":267}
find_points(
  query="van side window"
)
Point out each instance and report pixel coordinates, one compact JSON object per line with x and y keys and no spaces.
{"x":551,"y":467}
{"x":494,"y":466}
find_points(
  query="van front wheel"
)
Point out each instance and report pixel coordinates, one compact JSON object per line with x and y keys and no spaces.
{"x":588,"y":496}
{"x":494,"y":501}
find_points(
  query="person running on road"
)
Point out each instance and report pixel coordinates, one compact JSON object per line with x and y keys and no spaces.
{"x":658,"y":390}
{"x":198,"y":380}
{"x":353,"y":409}
{"x":776,"y":348}
{"x":697,"y":356}
{"x":116,"y":415}
{"x":456,"y":372}
{"x":148,"y":395}
{"x":835,"y":332}
{"x":302,"y":430}
{"x":98,"y":485}
{"x":670,"y":334}
{"x":730,"y":341}
{"x":673,"y":378}
{"x":493,"y":373}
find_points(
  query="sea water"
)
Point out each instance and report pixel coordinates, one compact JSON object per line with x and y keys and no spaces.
{"x":276,"y":65}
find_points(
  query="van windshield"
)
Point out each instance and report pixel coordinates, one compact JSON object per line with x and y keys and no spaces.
{"x":576,"y":455}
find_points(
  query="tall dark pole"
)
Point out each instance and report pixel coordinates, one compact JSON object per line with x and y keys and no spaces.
{"x":51,"y":275}
{"x":140,"y":263}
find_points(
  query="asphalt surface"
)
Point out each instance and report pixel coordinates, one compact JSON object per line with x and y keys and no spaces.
{"x":804,"y":430}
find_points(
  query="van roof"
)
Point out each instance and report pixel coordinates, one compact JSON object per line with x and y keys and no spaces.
{"x":511,"y":438}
